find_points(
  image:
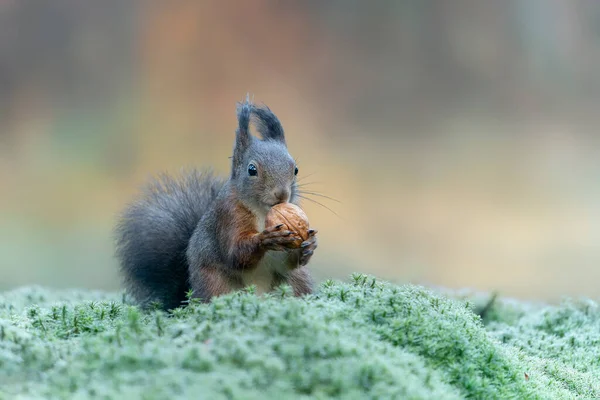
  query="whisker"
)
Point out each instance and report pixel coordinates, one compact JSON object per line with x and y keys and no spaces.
{"x":319,"y":194}
{"x":322,"y":205}
{"x":306,"y":176}
{"x":308,"y":183}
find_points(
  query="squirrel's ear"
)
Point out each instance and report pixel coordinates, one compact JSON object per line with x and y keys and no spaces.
{"x":243,"y":138}
{"x":268,"y":124}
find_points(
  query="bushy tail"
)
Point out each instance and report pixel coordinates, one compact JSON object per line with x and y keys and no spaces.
{"x":153,"y":234}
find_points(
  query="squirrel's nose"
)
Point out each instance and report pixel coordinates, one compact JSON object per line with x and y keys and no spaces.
{"x":281,"y":195}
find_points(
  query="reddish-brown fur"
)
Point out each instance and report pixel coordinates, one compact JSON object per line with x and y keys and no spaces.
{"x":240,"y":237}
{"x":242,"y":248}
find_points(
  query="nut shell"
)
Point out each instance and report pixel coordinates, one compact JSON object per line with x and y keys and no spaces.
{"x":293,"y":219}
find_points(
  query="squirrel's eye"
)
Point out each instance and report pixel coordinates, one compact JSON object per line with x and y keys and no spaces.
{"x":252,"y":171}
{"x":296,"y":171}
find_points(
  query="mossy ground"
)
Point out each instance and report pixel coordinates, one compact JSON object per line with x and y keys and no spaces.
{"x":356,"y":340}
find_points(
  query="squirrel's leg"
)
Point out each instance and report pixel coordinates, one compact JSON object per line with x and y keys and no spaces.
{"x":301,"y":281}
{"x":208,"y":282}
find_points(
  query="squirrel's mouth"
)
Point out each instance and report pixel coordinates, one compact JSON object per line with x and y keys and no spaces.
{"x":276,"y":197}
{"x":277,"y":202}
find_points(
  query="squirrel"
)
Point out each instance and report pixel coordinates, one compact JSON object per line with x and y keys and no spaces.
{"x":205,"y":233}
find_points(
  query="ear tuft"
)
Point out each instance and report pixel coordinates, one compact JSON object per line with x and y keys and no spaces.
{"x":268,"y":124}
{"x":243,"y":138}
{"x":244,"y":110}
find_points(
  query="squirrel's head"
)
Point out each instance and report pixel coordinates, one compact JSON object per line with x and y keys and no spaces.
{"x":263,"y":171}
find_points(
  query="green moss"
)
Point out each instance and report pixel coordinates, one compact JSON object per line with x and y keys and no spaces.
{"x":361,"y":339}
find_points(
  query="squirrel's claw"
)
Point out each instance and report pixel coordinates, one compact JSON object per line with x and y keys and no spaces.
{"x":308,"y":247}
{"x":277,"y":240}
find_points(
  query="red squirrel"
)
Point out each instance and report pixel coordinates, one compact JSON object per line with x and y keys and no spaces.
{"x":205,"y":233}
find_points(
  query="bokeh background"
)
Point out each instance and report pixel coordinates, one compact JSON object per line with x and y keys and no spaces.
{"x":460,"y":137}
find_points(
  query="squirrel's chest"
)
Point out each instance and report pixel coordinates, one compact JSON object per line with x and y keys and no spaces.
{"x":263,"y":276}
{"x":260,"y":222}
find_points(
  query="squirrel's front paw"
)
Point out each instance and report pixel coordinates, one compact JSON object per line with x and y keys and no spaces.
{"x":308,"y":247}
{"x":275,"y":238}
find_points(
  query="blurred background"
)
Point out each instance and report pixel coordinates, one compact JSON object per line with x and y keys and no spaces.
{"x":459,"y":137}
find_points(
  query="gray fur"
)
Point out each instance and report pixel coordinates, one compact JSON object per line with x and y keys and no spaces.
{"x":275,"y":173}
{"x":153,"y":233}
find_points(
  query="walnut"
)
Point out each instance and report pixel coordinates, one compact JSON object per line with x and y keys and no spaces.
{"x":293,"y":219}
